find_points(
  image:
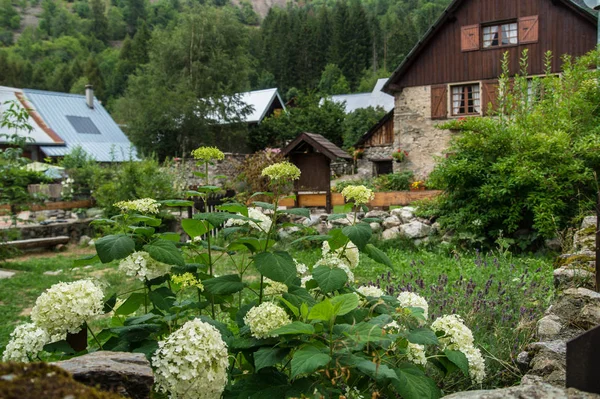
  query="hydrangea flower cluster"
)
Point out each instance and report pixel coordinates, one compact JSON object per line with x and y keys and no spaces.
{"x":187,"y":280}
{"x":274,"y":287}
{"x":410,"y":299}
{"x":144,"y":205}
{"x":264,"y":318}
{"x":26,"y":341}
{"x":208,"y":154}
{"x":192,"y":362}
{"x":303,"y":272}
{"x":349,"y":254}
{"x":282,"y":171}
{"x":64,"y":307}
{"x":457,"y":336}
{"x":332,"y":262}
{"x":414,"y":352}
{"x":263,"y":225}
{"x":357,"y":194}
{"x":141,"y":265}
{"x":370,"y":290}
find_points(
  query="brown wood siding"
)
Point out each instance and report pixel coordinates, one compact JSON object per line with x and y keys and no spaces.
{"x":559,"y":28}
{"x":383,"y":136}
{"x":489,"y":96}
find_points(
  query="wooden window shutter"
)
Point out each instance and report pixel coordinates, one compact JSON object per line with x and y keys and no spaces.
{"x":490,"y":96}
{"x":439,"y":102}
{"x":528,"y":29}
{"x":469,"y":38}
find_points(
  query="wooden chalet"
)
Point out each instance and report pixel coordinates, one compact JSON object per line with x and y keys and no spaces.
{"x":313,"y":154}
{"x":378,"y":145}
{"x":453,"y":70}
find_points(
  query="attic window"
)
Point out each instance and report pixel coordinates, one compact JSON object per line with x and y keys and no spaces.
{"x":500,"y":35}
{"x":83,"y":124}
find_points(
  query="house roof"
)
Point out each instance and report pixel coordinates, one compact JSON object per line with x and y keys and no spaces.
{"x":260,"y":101}
{"x":78,"y":125}
{"x":375,"y":98}
{"x":375,"y":128}
{"x":319,"y":143}
{"x":389,"y":87}
{"x":40,"y":132}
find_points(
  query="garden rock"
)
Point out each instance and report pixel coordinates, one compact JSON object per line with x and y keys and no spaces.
{"x":588,"y":221}
{"x":548,"y":327}
{"x":84,"y":240}
{"x":568,"y":276}
{"x":390,"y":222}
{"x":553,"y":244}
{"x":312,"y":220}
{"x":377,"y":214}
{"x":347,"y":221}
{"x":128,"y":374}
{"x":415,"y":229}
{"x":549,"y":361}
{"x":375,"y":227}
{"x":406,"y":214}
{"x":535,"y":390}
{"x":390,"y":234}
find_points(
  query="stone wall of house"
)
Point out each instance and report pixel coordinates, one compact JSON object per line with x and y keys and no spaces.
{"x":365,"y":165}
{"x":415,"y":131}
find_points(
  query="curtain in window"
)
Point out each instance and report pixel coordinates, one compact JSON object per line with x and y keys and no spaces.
{"x":476,"y":102}
{"x":490,"y":36}
{"x":509,"y":34}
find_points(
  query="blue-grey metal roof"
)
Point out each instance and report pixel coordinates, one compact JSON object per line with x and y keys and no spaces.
{"x":111,"y":145}
{"x":376,"y":98}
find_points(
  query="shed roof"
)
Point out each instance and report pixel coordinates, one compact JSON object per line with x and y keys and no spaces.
{"x":390,"y":86}
{"x":78,"y":125}
{"x":319,"y":143}
{"x":375,"y":98}
{"x":40,"y":132}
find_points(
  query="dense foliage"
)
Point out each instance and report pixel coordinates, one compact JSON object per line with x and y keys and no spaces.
{"x":530,"y":170}
{"x":167,"y":69}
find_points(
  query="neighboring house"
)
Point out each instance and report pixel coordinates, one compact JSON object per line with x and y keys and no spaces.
{"x":375,"y":98}
{"x":61,"y":122}
{"x":378,"y":145}
{"x":452,"y":72}
{"x":263,"y":103}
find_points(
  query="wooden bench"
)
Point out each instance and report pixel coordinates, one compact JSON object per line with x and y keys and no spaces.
{"x":37,"y":242}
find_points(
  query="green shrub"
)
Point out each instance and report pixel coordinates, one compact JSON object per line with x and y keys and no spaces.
{"x":394,"y":181}
{"x":529,"y":170}
{"x":339,"y":186}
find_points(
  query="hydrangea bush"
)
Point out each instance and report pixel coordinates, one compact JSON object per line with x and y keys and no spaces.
{"x":271,"y":326}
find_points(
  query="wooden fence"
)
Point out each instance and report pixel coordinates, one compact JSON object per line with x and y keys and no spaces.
{"x":53,"y":206}
{"x":381,"y":200}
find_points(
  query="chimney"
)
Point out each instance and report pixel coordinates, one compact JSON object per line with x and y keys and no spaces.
{"x":89,"y":96}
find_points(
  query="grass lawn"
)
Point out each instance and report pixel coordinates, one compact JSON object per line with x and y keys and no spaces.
{"x":500,"y":297}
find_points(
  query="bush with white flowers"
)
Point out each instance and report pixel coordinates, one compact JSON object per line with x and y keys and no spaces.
{"x":142,"y":266}
{"x":26,"y":341}
{"x":265,"y":318}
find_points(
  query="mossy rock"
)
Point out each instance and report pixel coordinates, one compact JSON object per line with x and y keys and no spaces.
{"x":41,"y":380}
{"x":577,"y":259}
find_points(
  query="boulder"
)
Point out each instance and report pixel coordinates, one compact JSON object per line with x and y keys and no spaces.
{"x":347,"y":221}
{"x":553,"y":244}
{"x":406,"y":214}
{"x":535,"y":390}
{"x":391,"y":221}
{"x":84,"y":240}
{"x":549,"y":361}
{"x":588,"y":221}
{"x":128,"y":374}
{"x":312,"y":220}
{"x":391,"y":233}
{"x":375,"y":227}
{"x":548,"y":327}
{"x":415,"y":229}
{"x":377,"y":214}
{"x":566,"y":276}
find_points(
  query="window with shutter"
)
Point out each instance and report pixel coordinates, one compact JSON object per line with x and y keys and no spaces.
{"x":466,"y":100}
{"x":439,"y":102}
{"x":469,"y":38}
{"x":528,"y":29}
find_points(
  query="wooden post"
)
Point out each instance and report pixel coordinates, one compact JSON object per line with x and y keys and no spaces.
{"x":598,"y":243}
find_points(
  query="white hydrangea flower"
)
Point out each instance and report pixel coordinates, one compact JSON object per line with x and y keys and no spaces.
{"x":66,"y":306}
{"x":457,"y":336}
{"x":370,"y":290}
{"x":253,"y":213}
{"x":141,"y":265}
{"x":26,"y":341}
{"x":350,"y":254}
{"x":301,"y":268}
{"x":144,"y":205}
{"x":410,"y":299}
{"x":332,"y":262}
{"x":264,"y":318}
{"x":416,"y":354}
{"x":274,"y":287}
{"x":192,"y":362}
{"x":392,"y":327}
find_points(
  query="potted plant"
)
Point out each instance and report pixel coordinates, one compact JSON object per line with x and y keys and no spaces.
{"x":418,"y":185}
{"x":399,"y":155}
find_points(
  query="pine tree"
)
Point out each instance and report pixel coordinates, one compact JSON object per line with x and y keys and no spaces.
{"x":134,"y":10}
{"x":99,"y":27}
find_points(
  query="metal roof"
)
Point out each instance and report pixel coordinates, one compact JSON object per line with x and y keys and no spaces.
{"x":40,"y":132}
{"x":258,"y":103}
{"x":376,"y":98}
{"x":111,"y":145}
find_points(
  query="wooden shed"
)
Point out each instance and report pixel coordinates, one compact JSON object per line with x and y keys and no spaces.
{"x":312,"y":154}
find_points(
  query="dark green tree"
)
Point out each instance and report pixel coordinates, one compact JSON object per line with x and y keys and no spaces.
{"x":99,"y":26}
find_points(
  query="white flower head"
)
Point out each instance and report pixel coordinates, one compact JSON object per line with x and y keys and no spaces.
{"x":412,"y":300}
{"x":141,"y":265}
{"x":192,"y":362}
{"x":457,"y":336}
{"x":264,"y":318}
{"x":349,"y":254}
{"x":263,"y":225}
{"x":416,"y":353}
{"x":370,"y":290}
{"x":64,"y":307}
{"x":26,"y":341}
{"x":274,"y":287}
{"x":144,"y":205}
